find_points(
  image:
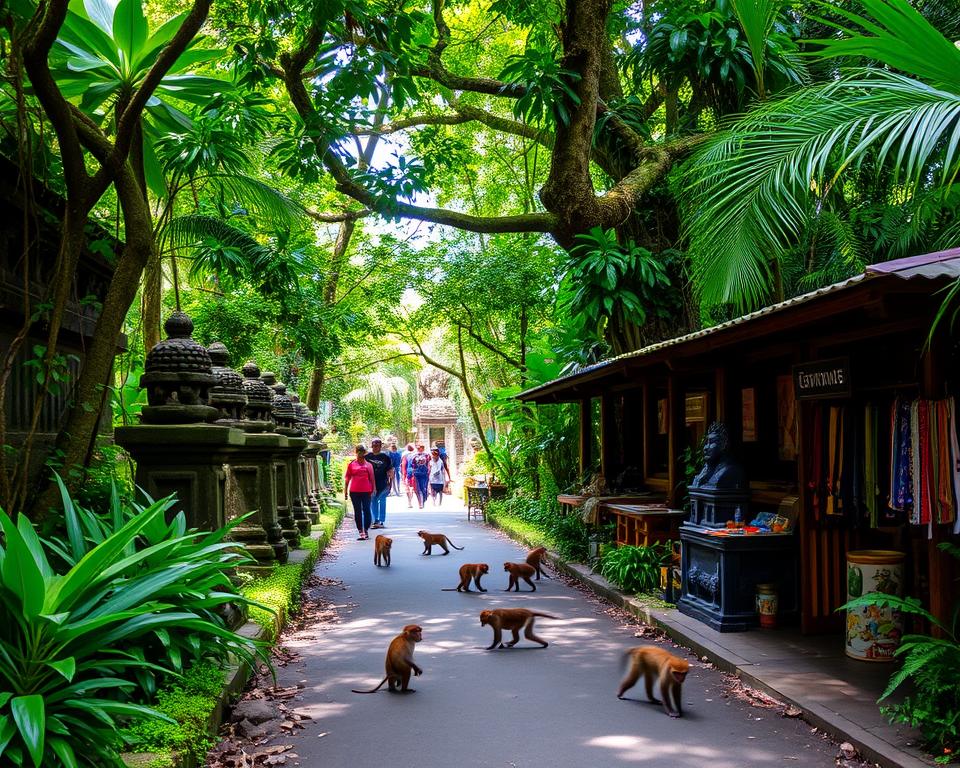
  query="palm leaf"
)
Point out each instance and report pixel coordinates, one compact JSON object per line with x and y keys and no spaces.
{"x":750,"y":190}
{"x":261,"y":198}
{"x":756,"y":18}
{"x":899,"y":36}
{"x":217,"y":246}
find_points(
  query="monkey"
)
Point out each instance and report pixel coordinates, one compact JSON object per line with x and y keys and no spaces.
{"x":381,"y":550}
{"x":519,"y":571}
{"x":440,"y":539}
{"x":654,"y":662}
{"x":470,"y":571}
{"x":399,"y":662}
{"x":534,"y":556}
{"x":513,"y":619}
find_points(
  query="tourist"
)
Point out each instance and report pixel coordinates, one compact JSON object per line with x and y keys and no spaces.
{"x":383,"y":477}
{"x":406,"y":471}
{"x":394,"y":455}
{"x":420,"y":466}
{"x":442,"y":447}
{"x":359,"y":482}
{"x":439,"y":476}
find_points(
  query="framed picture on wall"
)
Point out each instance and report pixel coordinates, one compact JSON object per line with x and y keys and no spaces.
{"x":748,"y":400}
{"x":786,"y":419}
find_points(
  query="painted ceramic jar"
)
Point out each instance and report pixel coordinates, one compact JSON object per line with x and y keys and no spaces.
{"x":873,"y":633}
{"x":767,"y":604}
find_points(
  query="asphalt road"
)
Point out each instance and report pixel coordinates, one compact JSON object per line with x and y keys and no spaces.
{"x":524,"y":707}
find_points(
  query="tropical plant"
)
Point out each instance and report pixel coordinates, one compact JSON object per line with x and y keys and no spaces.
{"x":753,"y":190}
{"x":635,"y":569}
{"x":102,"y":55}
{"x":84,"y":619}
{"x":932,"y":665}
{"x":608,"y":284}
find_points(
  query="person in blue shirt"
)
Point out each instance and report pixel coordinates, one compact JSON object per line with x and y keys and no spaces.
{"x":395,"y":460}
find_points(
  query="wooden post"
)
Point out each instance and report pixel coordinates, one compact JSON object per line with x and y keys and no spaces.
{"x":719,"y":396}
{"x":607,"y":455}
{"x":675,"y":408}
{"x":586,"y":436}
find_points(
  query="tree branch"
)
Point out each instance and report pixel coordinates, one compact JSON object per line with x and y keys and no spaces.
{"x":411,"y":122}
{"x":336,"y":218}
{"x":482,"y":341}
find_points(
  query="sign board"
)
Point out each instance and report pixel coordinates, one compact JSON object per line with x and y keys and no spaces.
{"x":822,"y":379}
{"x":695,"y":408}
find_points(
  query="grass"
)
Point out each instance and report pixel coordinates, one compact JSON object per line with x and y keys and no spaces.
{"x":522,"y":531}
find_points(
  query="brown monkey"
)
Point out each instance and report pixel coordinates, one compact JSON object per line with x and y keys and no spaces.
{"x":654,"y":662}
{"x":470,"y":571}
{"x":534,"y":556}
{"x":519,"y":571}
{"x":399,"y":662}
{"x":513,"y":619}
{"x":381,"y":550}
{"x":440,"y":539}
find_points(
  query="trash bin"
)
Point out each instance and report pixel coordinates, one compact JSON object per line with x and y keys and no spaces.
{"x":873,"y":633}
{"x":767,"y":600}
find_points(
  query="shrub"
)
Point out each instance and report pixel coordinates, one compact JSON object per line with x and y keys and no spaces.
{"x":932,"y":664}
{"x":635,"y":569}
{"x":567,"y":534}
{"x":119,"y":599}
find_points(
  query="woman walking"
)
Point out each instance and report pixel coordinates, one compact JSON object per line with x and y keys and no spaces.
{"x":419,"y":465}
{"x":439,"y":476}
{"x":406,"y":470}
{"x":359,"y":482}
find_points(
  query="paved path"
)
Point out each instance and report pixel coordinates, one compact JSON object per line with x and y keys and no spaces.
{"x":525,"y":707}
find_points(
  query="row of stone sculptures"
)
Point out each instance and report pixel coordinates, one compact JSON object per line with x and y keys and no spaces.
{"x":227,"y":444}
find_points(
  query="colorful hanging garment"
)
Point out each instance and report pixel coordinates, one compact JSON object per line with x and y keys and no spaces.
{"x":943,"y":463}
{"x":834,"y":507}
{"x":955,"y":460}
{"x":815,"y":474}
{"x":901,"y":452}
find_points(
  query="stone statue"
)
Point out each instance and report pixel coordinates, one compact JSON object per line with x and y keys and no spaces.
{"x":433,"y":384}
{"x":719,"y":470}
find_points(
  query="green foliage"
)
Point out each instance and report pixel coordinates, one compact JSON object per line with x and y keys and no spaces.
{"x":932,"y":665}
{"x":278,"y":595}
{"x":608,"y":283}
{"x":109,"y":469}
{"x":188,"y":703}
{"x":548,"y":88}
{"x":635,"y":569}
{"x":567,"y":534}
{"x":87,"y":621}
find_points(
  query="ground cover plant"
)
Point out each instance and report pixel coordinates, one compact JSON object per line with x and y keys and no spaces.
{"x":89,"y":623}
{"x":932,"y":665}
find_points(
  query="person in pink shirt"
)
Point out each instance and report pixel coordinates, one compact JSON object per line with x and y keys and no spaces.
{"x":358,"y":482}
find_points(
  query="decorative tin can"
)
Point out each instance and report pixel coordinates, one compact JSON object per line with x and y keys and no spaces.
{"x":767,"y":601}
{"x":873,"y":633}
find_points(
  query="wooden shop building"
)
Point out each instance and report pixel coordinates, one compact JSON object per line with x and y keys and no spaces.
{"x":829,"y":400}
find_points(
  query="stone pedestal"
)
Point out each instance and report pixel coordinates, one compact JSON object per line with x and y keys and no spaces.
{"x":185,"y":459}
{"x":265,"y":466}
{"x":310,"y":480}
{"x":290,"y":457}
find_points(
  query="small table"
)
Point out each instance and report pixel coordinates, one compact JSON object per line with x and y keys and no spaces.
{"x":640,"y":525}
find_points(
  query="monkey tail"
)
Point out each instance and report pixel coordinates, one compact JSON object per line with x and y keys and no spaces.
{"x":452,"y":544}
{"x":372,"y":690}
{"x":545,"y":615}
{"x":451,"y":589}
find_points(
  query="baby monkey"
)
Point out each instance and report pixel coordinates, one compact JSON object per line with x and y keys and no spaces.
{"x":513,"y":619}
{"x":653,"y":662}
{"x":468,"y":572}
{"x":399,"y":662}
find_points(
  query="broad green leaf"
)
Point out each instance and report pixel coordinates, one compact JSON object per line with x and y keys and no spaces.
{"x":66,"y":667}
{"x":30,"y":717}
{"x":100,"y":12}
{"x":80,"y":34}
{"x":130,"y":29}
{"x":62,"y":749}
{"x":32,"y":542}
{"x":7,"y":731}
{"x":19,"y":571}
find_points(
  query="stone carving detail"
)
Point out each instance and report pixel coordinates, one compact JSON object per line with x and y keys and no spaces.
{"x":177,"y":375}
{"x":227,"y":395}
{"x":433,"y":383}
{"x":718,"y":470}
{"x":283,"y":412}
{"x":259,"y":411}
{"x":704,"y":584}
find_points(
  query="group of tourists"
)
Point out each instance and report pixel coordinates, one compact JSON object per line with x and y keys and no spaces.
{"x":373,"y":476}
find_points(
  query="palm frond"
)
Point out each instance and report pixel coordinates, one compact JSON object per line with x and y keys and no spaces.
{"x":750,"y":190}
{"x":261,"y":199}
{"x":380,"y":388}
{"x":898,"y":35}
{"x":216,"y":246}
{"x":756,"y":18}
